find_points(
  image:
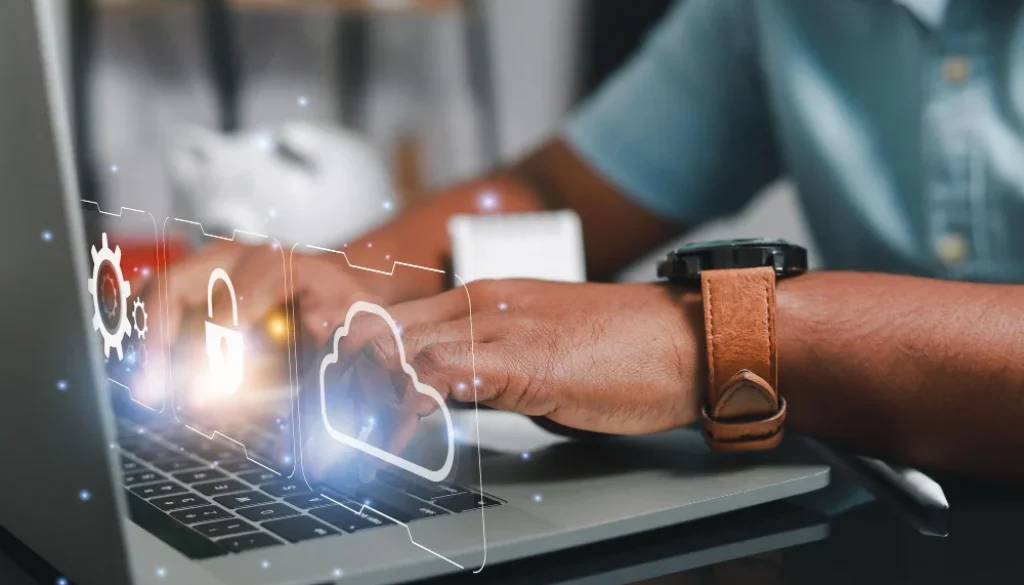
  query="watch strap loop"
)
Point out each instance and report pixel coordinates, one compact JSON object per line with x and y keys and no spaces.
{"x":743,"y":410}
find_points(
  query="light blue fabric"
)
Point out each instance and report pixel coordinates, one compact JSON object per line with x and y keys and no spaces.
{"x":900,"y":122}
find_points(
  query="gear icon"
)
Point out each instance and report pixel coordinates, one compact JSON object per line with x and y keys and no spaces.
{"x":111,"y":339}
{"x":137,"y":307}
{"x":109,"y":291}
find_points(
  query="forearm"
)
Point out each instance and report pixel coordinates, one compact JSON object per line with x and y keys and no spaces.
{"x":615,"y":230}
{"x":924,"y":371}
{"x":420,"y":236}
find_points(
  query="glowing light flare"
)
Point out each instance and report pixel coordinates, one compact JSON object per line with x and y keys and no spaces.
{"x":488,"y":201}
{"x":277,"y":327}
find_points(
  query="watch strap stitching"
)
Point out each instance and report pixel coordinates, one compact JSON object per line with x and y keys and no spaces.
{"x":709,"y":313}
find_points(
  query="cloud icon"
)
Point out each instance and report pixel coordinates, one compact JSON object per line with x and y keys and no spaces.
{"x":435,"y":475}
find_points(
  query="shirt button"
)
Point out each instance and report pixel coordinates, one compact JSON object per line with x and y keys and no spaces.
{"x":956,"y":70}
{"x":952,"y":248}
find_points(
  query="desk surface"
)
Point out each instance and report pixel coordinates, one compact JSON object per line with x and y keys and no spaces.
{"x":869,"y":544}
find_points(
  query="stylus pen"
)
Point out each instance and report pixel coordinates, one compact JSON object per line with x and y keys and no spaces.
{"x":930,"y":520}
{"x":923,"y":489}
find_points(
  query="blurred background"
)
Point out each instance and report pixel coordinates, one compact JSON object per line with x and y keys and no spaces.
{"x":318,"y":119}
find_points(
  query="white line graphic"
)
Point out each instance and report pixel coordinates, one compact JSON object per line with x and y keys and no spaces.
{"x":132,"y":398}
{"x":476,"y":405}
{"x":402,"y":524}
{"x":156,"y":274}
{"x":293,"y":393}
{"x":385,"y":273}
{"x":239,"y":443}
{"x":435,"y":475}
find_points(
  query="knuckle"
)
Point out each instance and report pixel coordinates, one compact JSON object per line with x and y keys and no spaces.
{"x":380,"y":350}
{"x":484,"y":289}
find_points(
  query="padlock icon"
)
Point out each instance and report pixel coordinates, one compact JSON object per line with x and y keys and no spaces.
{"x":223,"y":345}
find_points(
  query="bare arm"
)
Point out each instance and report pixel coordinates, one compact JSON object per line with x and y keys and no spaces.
{"x":615,"y":230}
{"x":926,"y":371}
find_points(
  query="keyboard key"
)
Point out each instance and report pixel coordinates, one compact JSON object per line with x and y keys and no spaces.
{"x":248,"y":542}
{"x":160,"y":524}
{"x":153,"y":490}
{"x":421,"y":489}
{"x":224,"y":528}
{"x":243,"y":499}
{"x":239,"y":466}
{"x":268,"y":512}
{"x":398,"y":505}
{"x":129,"y":465}
{"x":259,"y":477}
{"x":150,"y":451}
{"x":178,"y":502}
{"x":285,"y":487}
{"x":190,"y":477}
{"x":348,"y":520}
{"x":216,"y":488}
{"x":466,"y":501}
{"x":308,"y":501}
{"x":204,"y":514}
{"x":143,"y":477}
{"x":299,"y":528}
{"x":209,"y":450}
{"x":179,"y":464}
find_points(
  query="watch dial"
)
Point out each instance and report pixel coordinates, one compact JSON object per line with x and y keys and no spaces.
{"x":738,"y":242}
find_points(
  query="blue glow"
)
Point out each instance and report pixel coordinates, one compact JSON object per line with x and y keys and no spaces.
{"x":161,"y":572}
{"x":287,"y":459}
{"x":538,"y":498}
{"x":47,"y":236}
{"x":114,"y":168}
{"x":303,"y":101}
{"x":62,"y":581}
{"x":84,"y":495}
{"x":62,"y":385}
{"x":265,"y":564}
{"x":388,"y":205}
{"x":337,"y":573}
{"x":525,"y":455}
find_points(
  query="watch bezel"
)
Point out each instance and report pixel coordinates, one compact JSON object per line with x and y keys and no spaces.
{"x":685,"y":264}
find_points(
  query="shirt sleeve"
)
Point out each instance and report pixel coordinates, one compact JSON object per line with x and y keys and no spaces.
{"x":683,"y":128}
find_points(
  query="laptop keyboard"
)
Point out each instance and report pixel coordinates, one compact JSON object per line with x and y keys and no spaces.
{"x":207,"y":499}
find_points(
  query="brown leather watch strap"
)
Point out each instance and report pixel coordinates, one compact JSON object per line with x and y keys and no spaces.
{"x":743,"y":411}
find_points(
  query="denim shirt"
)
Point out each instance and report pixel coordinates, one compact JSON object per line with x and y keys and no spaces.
{"x":900,"y":122}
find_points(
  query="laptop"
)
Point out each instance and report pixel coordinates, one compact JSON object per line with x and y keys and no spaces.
{"x":112,"y":489}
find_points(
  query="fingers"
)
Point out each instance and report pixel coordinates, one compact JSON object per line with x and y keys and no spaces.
{"x":258,"y":280}
{"x":409,"y":316}
{"x":185,"y":288}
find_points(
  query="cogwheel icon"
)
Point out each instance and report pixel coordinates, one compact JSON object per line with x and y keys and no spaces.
{"x":111,"y":339}
{"x":137,"y":307}
{"x":108,"y":285}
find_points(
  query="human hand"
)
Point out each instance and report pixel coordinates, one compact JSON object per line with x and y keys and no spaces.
{"x":321,"y":284}
{"x":612,"y":358}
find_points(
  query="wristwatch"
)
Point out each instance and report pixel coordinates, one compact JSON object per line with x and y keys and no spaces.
{"x":743,"y":410}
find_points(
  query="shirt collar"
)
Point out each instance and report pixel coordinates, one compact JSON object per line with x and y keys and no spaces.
{"x":929,"y":12}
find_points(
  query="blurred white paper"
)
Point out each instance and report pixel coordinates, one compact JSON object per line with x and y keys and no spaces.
{"x":545,"y":245}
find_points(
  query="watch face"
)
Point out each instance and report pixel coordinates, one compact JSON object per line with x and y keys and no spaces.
{"x":686,"y":263}
{"x":742,"y":242}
